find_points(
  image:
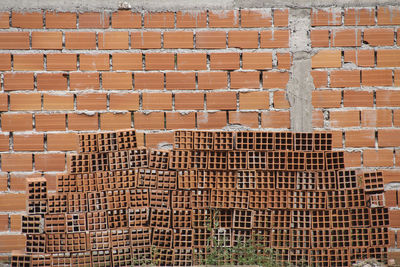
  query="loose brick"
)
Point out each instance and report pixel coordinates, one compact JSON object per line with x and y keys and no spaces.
{"x":245,"y":80}
{"x":360,"y":138}
{"x":275,"y":80}
{"x":221,"y":100}
{"x":194,"y":19}
{"x":212,"y":80}
{"x":256,"y":18}
{"x":154,"y":139}
{"x":376,"y":118}
{"x":14,"y":40}
{"x":159,"y":20}
{"x":189,"y":101}
{"x":84,"y":81}
{"x":18,"y":180}
{"x":388,"y":58}
{"x":192,"y":61}
{"x":4,"y":146}
{"x":62,"y":142}
{"x":157,"y":101}
{"x":12,"y":242}
{"x":80,"y":40}
{"x":345,"y":78}
{"x":158,"y":61}
{"x":352,"y":159}
{"x":243,"y":39}
{"x":16,"y":162}
{"x":46,"y":40}
{"x":319,"y":38}
{"x":60,"y":20}
{"x":326,"y":99}
{"x":151,"y":121}
{"x":249,"y":119}
{"x":5,"y":61}
{"x":25,"y":102}
{"x":257,"y":61}
{"x":211,"y":120}
{"x":388,"y":15}
{"x":284,"y":60}
{"x":353,"y":98}
{"x":359,"y":16}
{"x":379,"y":37}
{"x":117,"y":80}
{"x":98,"y":20}
{"x":146,"y":40}
{"x":176,"y":120}
{"x":387,"y":98}
{"x":346,"y":37}
{"x":224,"y":61}
{"x":179,"y":39}
{"x":274,"y":39}
{"x":51,"y":181}
{"x":50,"y":162}
{"x":152,"y":80}
{"x":111,"y":121}
{"x":128,"y":101}
{"x":327,"y":59}
{"x":58,"y":102}
{"x":91,"y":101}
{"x":28,"y":142}
{"x":94,"y":62}
{"x":211,"y":39}
{"x":83,"y":122}
{"x":378,"y":158}
{"x":16,"y":122}
{"x":28,"y":62}
{"x":125,"y":61}
{"x":275,"y":119}
{"x":126,"y":19}
{"x":337,"y":137}
{"x":349,"y":118}
{"x":180,"y":81}
{"x":327,"y":17}
{"x":281,"y":17}
{"x":377,"y":77}
{"x":4,"y":20}
{"x":317,"y":119}
{"x":52,"y":81}
{"x":27,"y":20}
{"x":254,"y":100}
{"x":61,"y":62}
{"x":50,"y":122}
{"x":223,"y":19}
{"x":280,"y":100}
{"x":18,"y":81}
{"x":388,"y":137}
{"x":113,"y":40}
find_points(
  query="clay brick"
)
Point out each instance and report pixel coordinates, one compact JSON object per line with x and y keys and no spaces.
{"x":327,"y":59}
{"x":160,"y":61}
{"x":359,"y":16}
{"x":146,"y":40}
{"x":94,"y":62}
{"x":58,"y":102}
{"x":397,"y":78}
{"x":317,"y":119}
{"x":256,"y":18}
{"x":212,"y":80}
{"x":274,"y":39}
{"x":111,"y":121}
{"x":387,"y":98}
{"x":4,"y":222}
{"x":3,"y":102}
{"x":257,"y":61}
{"x":60,"y":20}
{"x":211,"y":120}
{"x":391,"y":198}
{"x":18,"y":180}
{"x":194,"y":19}
{"x":5,"y":61}
{"x":176,"y":120}
{"x":319,"y":38}
{"x":83,"y":122}
{"x":376,"y":118}
{"x":18,"y":81}
{"x":27,"y":20}
{"x":350,"y":118}
{"x":3,"y":182}
{"x":62,"y":142}
{"x":16,"y":162}
{"x":243,"y":39}
{"x":394,"y":216}
{"x":126,"y":19}
{"x":275,"y":80}
{"x":337,"y":137}
{"x":284,"y":60}
{"x":326,"y":99}
{"x":91,"y":101}
{"x":61,"y":62}
{"x":50,"y":162}
{"x":4,"y":20}
{"x":180,"y":81}
{"x":360,"y":138}
{"x":377,"y":77}
{"x":378,"y":158}
{"x":15,"y":222}
{"x":154,"y":139}
{"x":125,"y":61}
{"x":275,"y":119}
{"x":52,"y":81}
{"x":11,"y":242}
{"x":327,"y":17}
{"x":388,"y":58}
{"x":94,"y":20}
{"x":189,"y":101}
{"x":280,"y":100}
{"x":80,"y":40}
{"x":362,"y":58}
{"x":254,"y":100}
{"x":28,"y":62}
{"x":245,"y":80}
{"x":154,"y":80}
{"x":224,"y":61}
{"x":4,"y":146}
{"x":320,"y":78}
{"x":221,"y":100}
{"x":14,"y":40}
{"x":192,"y":61}
{"x":179,"y":39}
{"x":281,"y":17}
{"x":223,"y":19}
{"x":390,"y":176}
{"x":248,"y":119}
{"x":388,"y":15}
{"x":388,"y":137}
{"x":128,"y":101}
{"x":151,"y":121}
{"x":211,"y":39}
{"x":352,"y":159}
{"x":16,"y":122}
{"x":346,"y":37}
{"x":353,"y":98}
{"x":28,"y":142}
{"x":345,"y":78}
{"x":46,"y":40}
{"x":159,"y":20}
{"x":117,"y":80}
{"x":84,"y":81}
{"x":396,"y":117}
{"x":113,"y":40}
{"x":25,"y":101}
{"x":379,"y":37}
{"x":157,"y":101}
{"x":50,"y":122}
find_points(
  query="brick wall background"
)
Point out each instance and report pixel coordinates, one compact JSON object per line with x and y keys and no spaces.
{"x":68,"y":72}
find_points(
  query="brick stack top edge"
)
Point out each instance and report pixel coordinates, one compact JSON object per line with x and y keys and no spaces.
{"x":123,"y":205}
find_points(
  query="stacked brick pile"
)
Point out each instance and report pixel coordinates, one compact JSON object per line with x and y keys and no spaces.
{"x":121,"y":205}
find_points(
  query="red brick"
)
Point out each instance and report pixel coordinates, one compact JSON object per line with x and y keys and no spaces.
{"x":327,"y":59}
{"x":3,"y":102}
{"x":189,"y":101}
{"x":397,"y":78}
{"x":180,"y":81}
{"x":284,"y":60}
{"x":326,"y":99}
{"x":319,"y":38}
{"x":50,"y":122}
{"x":379,"y":37}
{"x":28,"y":142}
{"x":362,"y":58}
{"x":353,"y":98}
{"x":16,"y":162}
{"x":15,"y":222}
{"x":387,"y":98}
{"x":159,"y":20}
{"x":14,"y":40}
{"x":275,"y":119}
{"x":243,"y":39}
{"x":394,"y":217}
{"x":62,"y":142}
{"x":4,"y":222}
{"x":254,"y":100}
{"x":359,"y":16}
{"x":212,"y":80}
{"x":61,"y":62}
{"x":256,"y":18}
{"x":337,"y":137}
{"x":326,"y":17}
{"x":16,"y":122}
{"x":80,"y":40}
{"x":345,"y":78}
{"x":377,"y":77}
{"x":117,"y":80}
{"x":60,"y":20}
{"x":83,"y":122}
{"x":127,"y":101}
{"x":350,"y":118}
{"x":280,"y":100}
{"x":245,"y":80}
{"x":18,"y":180}
{"x":46,"y":40}
{"x":18,"y":81}
{"x":50,"y":162}
{"x":281,"y":17}
{"x":346,"y":37}
{"x":51,"y":181}
{"x":378,"y":158}
{"x":127,"y":61}
{"x":12,"y":202}
{"x":187,"y":19}
{"x":160,"y":61}
{"x":3,"y":182}
{"x":388,"y":137}
{"x":275,"y":80}
{"x":28,"y":62}
{"x":4,"y":20}
{"x":94,"y":20}
{"x":52,"y":81}
{"x":157,"y":101}
{"x":352,"y":159}
{"x":390,"y":176}
{"x":388,"y":15}
{"x":388,"y":58}
{"x":146,"y":40}
{"x":27,"y":20}
{"x":210,"y":39}
{"x":150,"y":121}
{"x":360,"y":138}
{"x":396,"y":117}
{"x":4,"y":146}
{"x":94,"y":61}
{"x":12,"y":242}
{"x":317,"y":119}
{"x":153,"y":80}
{"x":257,"y":61}
{"x":111,"y":121}
{"x":397,"y":164}
{"x":58,"y":102}
{"x":176,"y":120}
{"x":211,"y":120}
{"x":179,"y":39}
{"x":192,"y":61}
{"x":248,"y":119}
{"x":126,"y":19}
{"x":320,"y":78}
{"x":84,"y":81}
{"x":5,"y":61}
{"x":221,"y":100}
{"x":391,"y":198}
{"x":223,"y":19}
{"x":113,"y":40}
{"x":376,"y":118}
{"x":274,"y":39}
{"x":224,"y":61}
{"x":154,"y":140}
{"x":25,"y":101}
{"x":91,"y":101}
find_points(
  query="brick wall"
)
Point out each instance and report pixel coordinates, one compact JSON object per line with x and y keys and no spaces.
{"x":65,"y":73}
